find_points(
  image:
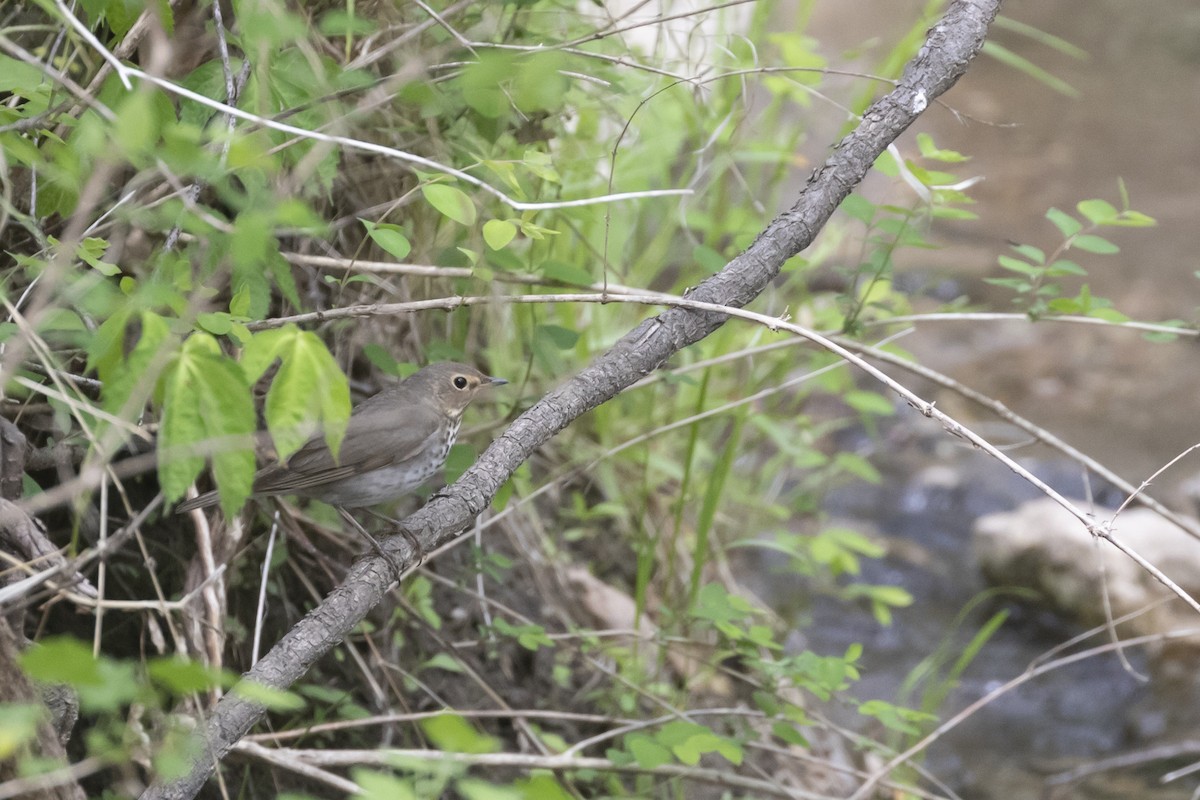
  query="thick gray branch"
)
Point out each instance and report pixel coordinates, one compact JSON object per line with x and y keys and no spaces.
{"x":948,"y":49}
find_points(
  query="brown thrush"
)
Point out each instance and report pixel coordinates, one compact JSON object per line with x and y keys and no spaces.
{"x":395,"y":441}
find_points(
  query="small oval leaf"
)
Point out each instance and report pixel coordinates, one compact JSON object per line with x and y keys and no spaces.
{"x":390,"y":237}
{"x":498,"y":233}
{"x":1089,"y":243}
{"x":451,"y":202}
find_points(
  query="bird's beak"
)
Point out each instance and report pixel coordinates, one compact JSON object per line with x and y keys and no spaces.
{"x":496,"y":381}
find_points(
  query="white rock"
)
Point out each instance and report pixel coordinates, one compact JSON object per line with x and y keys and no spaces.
{"x":1042,"y":546}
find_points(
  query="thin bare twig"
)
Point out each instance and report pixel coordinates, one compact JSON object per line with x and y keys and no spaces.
{"x":557,"y":763}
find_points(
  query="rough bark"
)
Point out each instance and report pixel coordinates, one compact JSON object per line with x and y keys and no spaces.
{"x":52,"y":732}
{"x":949,"y":48}
{"x":12,"y":460}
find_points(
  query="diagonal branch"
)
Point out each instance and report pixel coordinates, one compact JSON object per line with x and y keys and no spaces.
{"x":949,"y":48}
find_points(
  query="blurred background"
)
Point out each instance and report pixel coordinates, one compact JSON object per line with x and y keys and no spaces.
{"x":1134,"y":116}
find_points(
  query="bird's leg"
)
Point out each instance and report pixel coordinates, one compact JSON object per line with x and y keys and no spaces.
{"x":374,"y":542}
{"x":417,"y":548}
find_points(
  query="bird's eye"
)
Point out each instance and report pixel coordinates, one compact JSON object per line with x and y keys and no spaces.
{"x":460,"y":382}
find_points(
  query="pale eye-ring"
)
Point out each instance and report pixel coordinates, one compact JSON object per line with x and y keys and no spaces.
{"x":460,"y":382}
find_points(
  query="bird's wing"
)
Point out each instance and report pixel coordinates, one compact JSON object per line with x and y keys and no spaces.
{"x":367,"y":446}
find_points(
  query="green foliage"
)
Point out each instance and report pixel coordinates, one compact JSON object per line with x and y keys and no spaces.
{"x":1029,"y":67}
{"x":450,"y":202}
{"x":531,"y":637}
{"x":454,"y":734}
{"x":206,"y":398}
{"x":1037,"y":285}
{"x":308,"y":391}
{"x":199,"y":230}
{"x":676,"y":742}
{"x":18,"y":726}
{"x":890,"y":229}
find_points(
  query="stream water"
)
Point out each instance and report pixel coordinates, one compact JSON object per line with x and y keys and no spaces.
{"x":1127,"y":402}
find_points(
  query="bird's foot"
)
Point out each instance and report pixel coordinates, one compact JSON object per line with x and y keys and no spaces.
{"x":418,"y":549}
{"x":397,"y":567}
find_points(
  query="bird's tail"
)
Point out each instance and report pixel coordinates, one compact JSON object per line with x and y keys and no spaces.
{"x":200,"y":501}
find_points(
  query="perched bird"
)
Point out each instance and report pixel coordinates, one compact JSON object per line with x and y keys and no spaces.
{"x":395,"y":441}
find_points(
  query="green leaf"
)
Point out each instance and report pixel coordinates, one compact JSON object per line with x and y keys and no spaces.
{"x":715,"y":603}
{"x":1097,"y":212}
{"x":541,"y":165}
{"x":339,"y":23}
{"x":217,"y":323}
{"x":239,"y":303}
{"x":566,"y":273}
{"x":1132,"y":219}
{"x":444,"y":661}
{"x":1022,"y":64}
{"x":1017,"y":265}
{"x":858,"y":208}
{"x":869,"y":402}
{"x":475,"y":789}
{"x":21,"y":78}
{"x":389,"y":237}
{"x":105,"y":350}
{"x":18,"y":726}
{"x":1033,"y":254}
{"x":539,"y":84}
{"x":858,"y":466}
{"x":451,"y":202}
{"x":1067,"y":225}
{"x":184,"y":676}
{"x":123,"y":375}
{"x":1109,"y":315}
{"x":251,"y":244}
{"x":138,"y":122}
{"x":942,"y":212}
{"x":930,"y":150}
{"x":540,"y":786}
{"x":648,"y":753}
{"x":498,"y":233}
{"x":1041,"y":37}
{"x":206,"y":401}
{"x":90,"y":250}
{"x":535,"y":231}
{"x":281,"y":271}
{"x":103,"y":684}
{"x":454,"y":734}
{"x":1016,"y":284}
{"x":61,"y":659}
{"x":556,"y":335}
{"x":382,"y":786}
{"x":1064,"y":267}
{"x":308,"y":392}
{"x":710,"y":260}
{"x":268,"y":696}
{"x":690,"y":741}
{"x":382,"y":358}
{"x":895,"y":717}
{"x":1065,"y":305}
{"x":531,"y":637}
{"x":480,"y":83}
{"x":789,"y":734}
{"x":1094,"y":244}
{"x":501,"y":260}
